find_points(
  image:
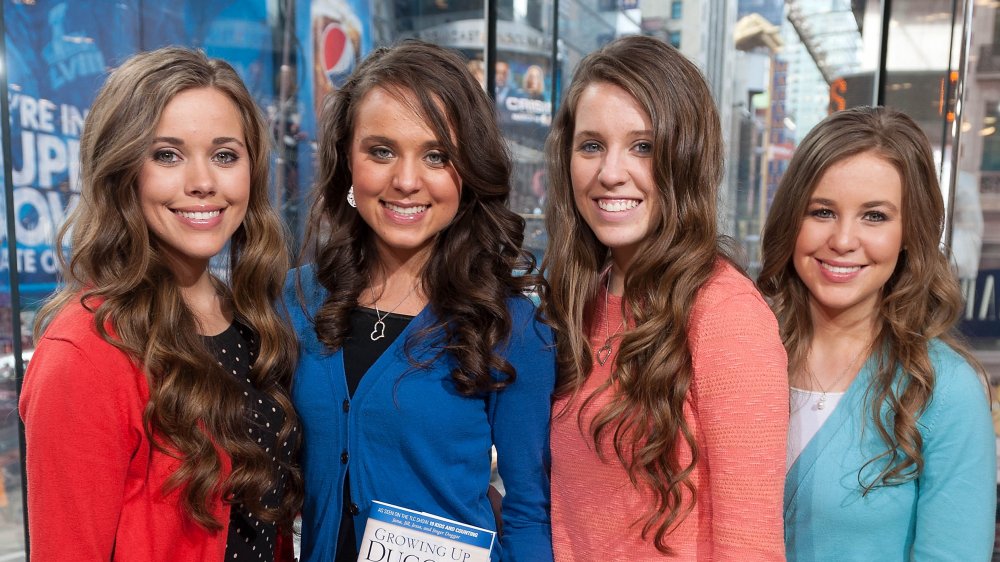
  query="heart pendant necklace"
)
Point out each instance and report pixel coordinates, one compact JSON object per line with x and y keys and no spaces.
{"x":378,"y":331}
{"x":603,"y":353}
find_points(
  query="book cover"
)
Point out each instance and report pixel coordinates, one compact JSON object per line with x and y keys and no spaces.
{"x":397,"y":534}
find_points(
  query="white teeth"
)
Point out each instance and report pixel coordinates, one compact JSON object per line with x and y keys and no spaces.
{"x":199,"y":215}
{"x":405,"y":210}
{"x":617,"y":205}
{"x":840,"y":270}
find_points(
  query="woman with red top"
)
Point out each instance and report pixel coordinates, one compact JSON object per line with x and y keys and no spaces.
{"x":668,"y":430}
{"x":156,"y":411}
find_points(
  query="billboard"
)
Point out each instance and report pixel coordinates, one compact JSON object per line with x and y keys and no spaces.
{"x":59,"y":53}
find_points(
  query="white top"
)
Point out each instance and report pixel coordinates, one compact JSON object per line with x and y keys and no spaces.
{"x":806,"y":418}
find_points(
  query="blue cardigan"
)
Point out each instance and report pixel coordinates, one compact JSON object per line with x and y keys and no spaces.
{"x":948,"y":513}
{"x":410,"y":439}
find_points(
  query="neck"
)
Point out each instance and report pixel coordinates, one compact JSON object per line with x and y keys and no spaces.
{"x":616,"y":283}
{"x":397,"y":286}
{"x":852,"y":326}
{"x":207,"y":306}
{"x":838,"y":348}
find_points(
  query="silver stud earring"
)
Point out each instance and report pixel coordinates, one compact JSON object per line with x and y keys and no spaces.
{"x":350,"y":198}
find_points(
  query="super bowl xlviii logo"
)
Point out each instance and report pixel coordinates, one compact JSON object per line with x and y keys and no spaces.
{"x":70,"y":55}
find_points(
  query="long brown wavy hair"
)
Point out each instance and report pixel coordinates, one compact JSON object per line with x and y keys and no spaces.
{"x":477,"y":261}
{"x":653,"y":370}
{"x":920,"y":301}
{"x":118,"y":270}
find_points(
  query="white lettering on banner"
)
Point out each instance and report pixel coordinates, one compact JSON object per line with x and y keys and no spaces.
{"x":37,"y":232}
{"x":44,"y":156}
{"x":49,"y":213}
{"x":31,"y":260}
{"x":52,"y":158}
{"x":72,"y":120}
{"x":46,"y":180}
{"x":50,"y":149}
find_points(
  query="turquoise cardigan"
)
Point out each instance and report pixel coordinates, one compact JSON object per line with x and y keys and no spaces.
{"x":410,"y":439}
{"x":948,"y":513}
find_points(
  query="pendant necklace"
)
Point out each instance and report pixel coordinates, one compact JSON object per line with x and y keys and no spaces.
{"x":378,"y":331}
{"x":821,"y":404}
{"x":604,"y":352}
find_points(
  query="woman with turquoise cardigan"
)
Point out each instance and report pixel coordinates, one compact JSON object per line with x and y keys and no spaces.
{"x":891,"y":451}
{"x":420,"y":348}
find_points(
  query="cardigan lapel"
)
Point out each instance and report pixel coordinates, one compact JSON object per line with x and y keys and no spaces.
{"x":848,"y":406}
{"x":419,"y":322}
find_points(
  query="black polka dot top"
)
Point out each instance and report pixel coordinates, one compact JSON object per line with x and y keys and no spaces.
{"x":249,"y":538}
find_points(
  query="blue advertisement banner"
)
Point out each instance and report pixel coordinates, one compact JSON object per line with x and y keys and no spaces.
{"x":59,"y":53}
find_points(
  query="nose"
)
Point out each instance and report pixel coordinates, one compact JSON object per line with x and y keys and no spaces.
{"x":199,"y":180}
{"x":613,"y":170}
{"x":406,"y":179}
{"x":844,"y":238}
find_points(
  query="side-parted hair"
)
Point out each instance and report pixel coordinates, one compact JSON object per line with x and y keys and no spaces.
{"x":471,"y":269}
{"x":653,"y":370}
{"x":920,"y":301}
{"x":118,"y":270}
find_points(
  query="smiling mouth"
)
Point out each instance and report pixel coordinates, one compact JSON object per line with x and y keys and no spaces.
{"x":199,"y":215}
{"x":617,"y":205}
{"x":840,"y":270}
{"x":412,"y":210}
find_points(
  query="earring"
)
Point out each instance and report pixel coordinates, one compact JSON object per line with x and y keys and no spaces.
{"x":350,"y":198}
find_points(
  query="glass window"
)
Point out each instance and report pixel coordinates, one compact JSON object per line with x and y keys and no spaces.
{"x":788,"y":64}
{"x":975,"y":233}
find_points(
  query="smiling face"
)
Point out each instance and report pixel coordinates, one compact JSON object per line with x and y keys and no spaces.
{"x":611,"y":169}
{"x":405,"y":186}
{"x":851,"y":237}
{"x":194,"y":184}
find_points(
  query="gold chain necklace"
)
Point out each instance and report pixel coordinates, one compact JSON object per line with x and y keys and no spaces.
{"x":604,"y":352}
{"x":822,"y":398}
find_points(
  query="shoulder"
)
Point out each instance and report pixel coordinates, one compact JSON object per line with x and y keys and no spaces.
{"x":957,"y":385}
{"x":75,"y":324}
{"x":71,"y":353}
{"x":525,"y":322}
{"x":732,"y":332}
{"x":728,"y":300}
{"x":522,"y":309}
{"x":303,"y":293}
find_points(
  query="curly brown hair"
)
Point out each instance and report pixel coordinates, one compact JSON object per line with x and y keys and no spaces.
{"x":477,"y":261}
{"x":118,"y":271}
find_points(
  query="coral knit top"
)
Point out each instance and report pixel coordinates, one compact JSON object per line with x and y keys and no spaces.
{"x":737,"y":409}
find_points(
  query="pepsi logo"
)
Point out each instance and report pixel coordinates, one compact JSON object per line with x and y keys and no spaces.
{"x":338,"y":50}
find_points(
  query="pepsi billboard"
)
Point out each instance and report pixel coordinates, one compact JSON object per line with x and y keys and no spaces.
{"x":339,"y":36}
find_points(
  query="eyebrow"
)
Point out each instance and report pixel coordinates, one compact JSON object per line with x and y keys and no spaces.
{"x":865,"y":205}
{"x":378,"y":139}
{"x":215,"y":141}
{"x":643,"y":133}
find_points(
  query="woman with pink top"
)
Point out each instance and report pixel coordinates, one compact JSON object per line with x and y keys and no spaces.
{"x":668,"y":429}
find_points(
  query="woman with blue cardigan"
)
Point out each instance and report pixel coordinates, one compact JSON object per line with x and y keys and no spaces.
{"x":419,"y":347}
{"x":891,"y":447}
